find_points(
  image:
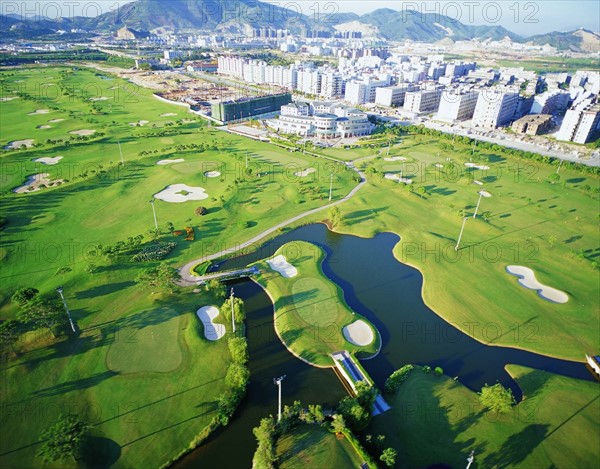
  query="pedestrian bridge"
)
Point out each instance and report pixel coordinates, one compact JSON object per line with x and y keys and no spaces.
{"x":350,"y":372}
{"x":227,"y":275}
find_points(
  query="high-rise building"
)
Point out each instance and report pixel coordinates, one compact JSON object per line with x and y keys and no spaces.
{"x":457,"y":105}
{"x":580,"y":124}
{"x":495,"y":108}
{"x":391,"y":95}
{"x":331,"y":85}
{"x":422,"y":101}
{"x":550,"y":102}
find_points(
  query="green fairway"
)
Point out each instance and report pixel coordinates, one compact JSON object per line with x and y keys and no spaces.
{"x":551,"y":228}
{"x":314,"y":446}
{"x":310,"y":311}
{"x":435,"y":420}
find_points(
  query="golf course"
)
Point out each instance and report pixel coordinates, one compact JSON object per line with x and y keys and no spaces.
{"x":105,"y":191}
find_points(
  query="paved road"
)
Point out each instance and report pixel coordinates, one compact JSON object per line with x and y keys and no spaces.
{"x":185,"y":272}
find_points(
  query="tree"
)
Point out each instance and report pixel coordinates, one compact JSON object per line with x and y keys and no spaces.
{"x":64,"y":439}
{"x":201,"y":211}
{"x":238,"y":348}
{"x":553,"y":178}
{"x":238,"y":308}
{"x":216,"y":287}
{"x":24,"y":295}
{"x":158,"y":278}
{"x":40,"y":313}
{"x":335,"y":217}
{"x":388,"y":457}
{"x":9,"y":333}
{"x":315,"y":413}
{"x":237,"y":376}
{"x":496,"y":398}
{"x":265,"y":456}
{"x":338,"y":424}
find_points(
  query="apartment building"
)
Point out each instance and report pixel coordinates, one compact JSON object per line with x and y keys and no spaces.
{"x":495,"y":108}
{"x":457,"y":105}
{"x":422,"y":100}
{"x":580,"y":124}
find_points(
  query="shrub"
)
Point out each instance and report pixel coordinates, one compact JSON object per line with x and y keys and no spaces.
{"x":154,"y":252}
{"x":392,"y":384}
{"x":427,"y":369}
{"x":438,"y":371}
{"x":201,"y":211}
{"x":244,"y":224}
{"x":63,"y":270}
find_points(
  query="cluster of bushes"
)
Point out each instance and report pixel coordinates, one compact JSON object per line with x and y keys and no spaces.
{"x":392,"y":384}
{"x":154,"y":252}
{"x":190,"y":233}
{"x":111,"y":252}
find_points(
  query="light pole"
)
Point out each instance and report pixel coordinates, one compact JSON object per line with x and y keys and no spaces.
{"x":461,"y":233}
{"x":471,"y":458}
{"x":481,"y":194}
{"x":60,"y":292}
{"x":330,"y":187}
{"x":121,"y":152}
{"x":232,"y":313}
{"x":277,"y":382}
{"x":154,"y":213}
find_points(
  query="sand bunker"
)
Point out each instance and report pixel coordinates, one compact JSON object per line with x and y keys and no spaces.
{"x":212,"y":331}
{"x":165,"y":162}
{"x":54,"y":121}
{"x":142,"y":123}
{"x":395,"y":158}
{"x":179,"y":193}
{"x":439,"y":165}
{"x":83,"y":132}
{"x":359,"y":333}
{"x":101,"y":98}
{"x":43,"y":127}
{"x":304,"y":173}
{"x":395,"y":177}
{"x":35,"y":182}
{"x":168,"y":114}
{"x":48,"y":160}
{"x":8,"y":98}
{"x":281,"y":265}
{"x":479,"y":183}
{"x":39,"y":111}
{"x":19,"y":143}
{"x":212,"y":174}
{"x":528,"y":280}
{"x":477,"y":166}
{"x":485,"y":194}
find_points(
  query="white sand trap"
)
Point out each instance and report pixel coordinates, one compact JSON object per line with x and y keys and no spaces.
{"x":439,"y":165}
{"x":304,"y":173}
{"x":39,"y":111}
{"x":179,"y":193}
{"x":528,"y":280}
{"x":168,"y":114}
{"x":359,"y":333}
{"x":35,"y":182}
{"x":8,"y":98}
{"x":281,"y":265}
{"x":141,"y":123}
{"x":477,"y":166}
{"x":212,"y":174}
{"x":485,"y":194}
{"x":101,"y":98}
{"x":395,"y":177}
{"x":212,"y":331}
{"x":84,"y":132}
{"x":165,"y":162}
{"x":479,"y":183}
{"x":395,"y":158}
{"x":54,"y":121}
{"x":42,"y":127}
{"x":114,"y":88}
{"x":18,"y":143}
{"x":48,"y":160}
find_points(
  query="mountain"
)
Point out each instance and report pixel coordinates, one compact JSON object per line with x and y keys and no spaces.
{"x":237,"y":16}
{"x":580,"y":40}
{"x":427,"y":27}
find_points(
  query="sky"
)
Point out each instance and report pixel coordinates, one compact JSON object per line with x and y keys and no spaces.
{"x":523,"y":17}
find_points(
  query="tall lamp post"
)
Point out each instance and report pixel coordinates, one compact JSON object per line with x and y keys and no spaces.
{"x":277,"y":382}
{"x":461,"y":233}
{"x":154,"y":213}
{"x":482,"y":193}
{"x":232,"y":313}
{"x":60,"y":292}
{"x":330,"y":186}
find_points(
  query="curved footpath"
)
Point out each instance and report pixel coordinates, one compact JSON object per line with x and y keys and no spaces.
{"x":187,"y":279}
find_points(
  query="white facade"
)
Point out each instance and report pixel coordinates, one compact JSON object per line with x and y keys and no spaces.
{"x":422,"y":101}
{"x":309,"y":81}
{"x":391,"y":95}
{"x":550,"y":102}
{"x":580,"y":124}
{"x":494,"y":108}
{"x":331,"y":85}
{"x":457,"y":106}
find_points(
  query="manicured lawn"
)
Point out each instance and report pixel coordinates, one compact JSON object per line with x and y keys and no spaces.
{"x":551,"y":228}
{"x":310,"y":311}
{"x":435,"y":420}
{"x":313,"y":446}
